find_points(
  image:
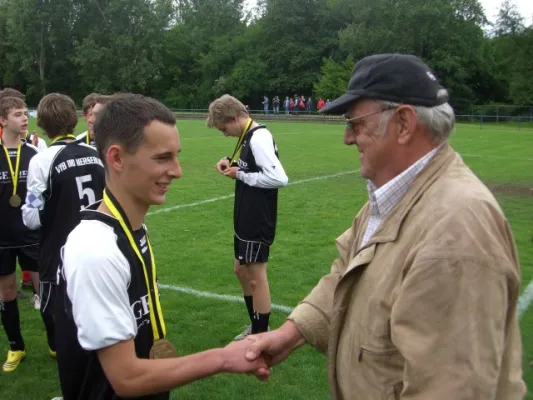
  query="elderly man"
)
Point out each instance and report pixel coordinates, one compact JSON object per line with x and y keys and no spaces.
{"x":422,"y":301}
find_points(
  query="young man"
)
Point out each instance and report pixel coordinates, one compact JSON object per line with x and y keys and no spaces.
{"x":61,"y":180}
{"x":88,"y":104}
{"x":99,"y":102}
{"x":17,"y":242}
{"x":28,"y":278}
{"x":111,"y":321}
{"x":258,"y":175}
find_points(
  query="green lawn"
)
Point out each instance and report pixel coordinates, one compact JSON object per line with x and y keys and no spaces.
{"x":194,"y":248}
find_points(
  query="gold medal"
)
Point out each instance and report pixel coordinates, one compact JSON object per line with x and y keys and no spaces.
{"x":162,"y":348}
{"x":15,"y":201}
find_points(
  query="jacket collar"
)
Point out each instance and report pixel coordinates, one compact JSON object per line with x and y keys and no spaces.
{"x":390,"y":226}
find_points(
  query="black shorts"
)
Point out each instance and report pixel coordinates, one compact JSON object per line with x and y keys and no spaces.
{"x":28,"y":258}
{"x":248,"y":252}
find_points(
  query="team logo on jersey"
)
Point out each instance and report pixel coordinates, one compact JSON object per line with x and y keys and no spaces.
{"x":243,"y":164}
{"x":141,"y":311}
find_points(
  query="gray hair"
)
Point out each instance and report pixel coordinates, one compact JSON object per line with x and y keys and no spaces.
{"x":439,"y":120}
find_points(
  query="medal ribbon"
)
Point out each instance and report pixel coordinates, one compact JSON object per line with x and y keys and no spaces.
{"x":156,"y":313}
{"x":15,"y":173}
{"x":239,"y":143}
{"x":63,"y":138}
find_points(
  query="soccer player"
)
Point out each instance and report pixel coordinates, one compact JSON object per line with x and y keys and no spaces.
{"x":61,"y":180}
{"x":90,"y":102}
{"x":108,"y":311}
{"x":17,"y":242}
{"x":258,"y":174}
{"x":28,"y":278}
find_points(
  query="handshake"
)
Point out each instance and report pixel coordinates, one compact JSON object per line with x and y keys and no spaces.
{"x":256,"y":354}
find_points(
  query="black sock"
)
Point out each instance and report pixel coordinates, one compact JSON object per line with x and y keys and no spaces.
{"x":49,"y":325}
{"x":11,"y":323}
{"x":249,"y":300}
{"x":260,"y":322}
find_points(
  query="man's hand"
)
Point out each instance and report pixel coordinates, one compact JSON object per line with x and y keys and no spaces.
{"x":274,"y":346}
{"x":231,"y":172}
{"x":222,"y":165}
{"x":234,"y":360}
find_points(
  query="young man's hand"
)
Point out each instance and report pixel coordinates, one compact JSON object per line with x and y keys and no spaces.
{"x":222,"y":165}
{"x":231,"y":172}
{"x":234,"y":360}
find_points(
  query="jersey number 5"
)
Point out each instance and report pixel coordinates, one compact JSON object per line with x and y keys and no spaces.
{"x":85,"y":191}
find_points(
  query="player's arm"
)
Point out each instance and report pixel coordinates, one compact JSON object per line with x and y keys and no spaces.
{"x":37,"y":182}
{"x":271,"y":174}
{"x":97,"y":285}
{"x":131,"y":376}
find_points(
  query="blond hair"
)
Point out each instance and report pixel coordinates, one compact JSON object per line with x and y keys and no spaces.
{"x":223,"y":110}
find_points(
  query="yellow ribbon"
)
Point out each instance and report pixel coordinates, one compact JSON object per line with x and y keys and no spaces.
{"x":63,"y":138}
{"x":128,"y":231}
{"x":239,"y":143}
{"x":15,"y":173}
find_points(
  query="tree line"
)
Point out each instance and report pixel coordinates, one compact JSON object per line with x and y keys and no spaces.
{"x":186,"y":52}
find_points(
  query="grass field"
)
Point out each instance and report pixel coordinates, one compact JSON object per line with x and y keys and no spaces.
{"x":193,"y":246}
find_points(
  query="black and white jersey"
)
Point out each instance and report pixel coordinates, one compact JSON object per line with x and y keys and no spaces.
{"x":256,"y":190}
{"x":13,"y":232}
{"x":86,"y":138}
{"x":61,"y":180}
{"x":102,"y":299}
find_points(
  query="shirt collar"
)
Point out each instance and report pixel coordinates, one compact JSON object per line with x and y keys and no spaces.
{"x":384,"y":199}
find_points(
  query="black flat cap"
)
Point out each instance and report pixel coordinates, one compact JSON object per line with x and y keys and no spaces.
{"x":399,"y":78}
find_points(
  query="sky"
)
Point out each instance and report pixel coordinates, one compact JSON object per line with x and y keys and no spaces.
{"x":525,"y":7}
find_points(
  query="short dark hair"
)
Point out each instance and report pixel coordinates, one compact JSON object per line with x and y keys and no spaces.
{"x":88,"y":102}
{"x":102,"y":99}
{"x":9,"y":103}
{"x":56,"y":115}
{"x":10,"y":92}
{"x":123,"y":119}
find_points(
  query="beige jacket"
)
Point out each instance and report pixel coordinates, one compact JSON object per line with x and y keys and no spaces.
{"x":427,"y":309}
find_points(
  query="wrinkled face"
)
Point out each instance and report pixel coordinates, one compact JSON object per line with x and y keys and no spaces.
{"x":147,"y":173}
{"x":16,"y":121}
{"x":376,"y":146}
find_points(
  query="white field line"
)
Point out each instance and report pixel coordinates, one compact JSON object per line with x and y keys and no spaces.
{"x":223,"y":297}
{"x":199,"y":203}
{"x":525,"y":299}
{"x":523,"y":302}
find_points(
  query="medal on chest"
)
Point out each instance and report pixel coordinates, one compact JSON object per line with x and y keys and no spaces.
{"x":14,"y":201}
{"x":161,"y":348}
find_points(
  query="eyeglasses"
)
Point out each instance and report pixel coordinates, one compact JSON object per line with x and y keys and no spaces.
{"x":354,"y":122}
